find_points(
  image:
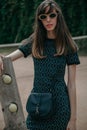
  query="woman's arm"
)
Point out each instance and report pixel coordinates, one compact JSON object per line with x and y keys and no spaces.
{"x":72,"y":90}
{"x":15,"y":55}
{"x":72,"y":96}
{"x":23,"y":50}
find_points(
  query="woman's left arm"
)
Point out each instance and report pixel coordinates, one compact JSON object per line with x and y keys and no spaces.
{"x":71,"y":84}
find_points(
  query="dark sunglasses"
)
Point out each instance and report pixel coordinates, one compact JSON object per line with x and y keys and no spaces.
{"x":44,"y":16}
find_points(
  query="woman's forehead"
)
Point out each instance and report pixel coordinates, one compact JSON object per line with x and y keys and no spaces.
{"x":48,"y":10}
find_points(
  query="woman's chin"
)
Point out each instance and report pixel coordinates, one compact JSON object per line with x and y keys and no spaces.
{"x":49,"y":29}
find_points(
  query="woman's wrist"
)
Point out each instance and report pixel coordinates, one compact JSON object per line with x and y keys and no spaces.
{"x":2,"y":56}
{"x":73,"y":118}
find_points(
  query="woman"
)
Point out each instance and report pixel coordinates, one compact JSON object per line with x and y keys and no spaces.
{"x":52,"y":49}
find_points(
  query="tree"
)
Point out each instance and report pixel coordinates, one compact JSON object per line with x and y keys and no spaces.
{"x":17,"y":18}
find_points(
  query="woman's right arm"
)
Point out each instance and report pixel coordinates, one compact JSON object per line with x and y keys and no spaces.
{"x":14,"y":56}
{"x":23,"y":51}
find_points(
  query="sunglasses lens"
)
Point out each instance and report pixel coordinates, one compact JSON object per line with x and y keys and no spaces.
{"x":52,"y":15}
{"x":42,"y":17}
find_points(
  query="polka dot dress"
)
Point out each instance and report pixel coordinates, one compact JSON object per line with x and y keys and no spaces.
{"x":49,"y":74}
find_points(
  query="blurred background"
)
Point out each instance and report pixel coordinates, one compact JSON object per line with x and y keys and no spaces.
{"x":17,"y":18}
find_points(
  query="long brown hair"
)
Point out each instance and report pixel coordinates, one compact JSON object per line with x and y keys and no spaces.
{"x":63,"y":39}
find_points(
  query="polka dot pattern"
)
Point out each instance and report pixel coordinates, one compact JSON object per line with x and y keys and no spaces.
{"x":49,"y":74}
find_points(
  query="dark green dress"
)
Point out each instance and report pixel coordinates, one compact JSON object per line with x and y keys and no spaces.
{"x":49,"y":73}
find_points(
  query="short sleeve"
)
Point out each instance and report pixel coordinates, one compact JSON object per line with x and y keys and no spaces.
{"x":26,"y":48}
{"x":72,"y":58}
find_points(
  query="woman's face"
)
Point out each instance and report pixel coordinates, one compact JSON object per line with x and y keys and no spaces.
{"x":49,"y":21}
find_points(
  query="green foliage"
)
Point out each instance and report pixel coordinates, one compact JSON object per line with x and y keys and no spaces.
{"x":17,"y":18}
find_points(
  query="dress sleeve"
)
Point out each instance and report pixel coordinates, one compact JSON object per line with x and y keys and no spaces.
{"x":72,"y":58}
{"x":26,"y":48}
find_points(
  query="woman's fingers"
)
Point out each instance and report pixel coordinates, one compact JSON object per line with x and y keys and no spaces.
{"x":1,"y":65}
{"x":1,"y":68}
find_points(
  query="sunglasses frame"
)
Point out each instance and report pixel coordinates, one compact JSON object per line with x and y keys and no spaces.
{"x":56,"y":14}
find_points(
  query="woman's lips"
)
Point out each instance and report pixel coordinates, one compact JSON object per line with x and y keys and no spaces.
{"x":49,"y":25}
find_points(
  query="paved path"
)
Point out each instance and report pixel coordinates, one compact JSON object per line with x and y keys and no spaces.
{"x":24,"y":74}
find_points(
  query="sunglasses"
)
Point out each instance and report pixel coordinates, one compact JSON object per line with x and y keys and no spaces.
{"x":44,"y":16}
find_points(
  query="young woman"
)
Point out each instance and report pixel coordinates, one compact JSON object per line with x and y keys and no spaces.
{"x":52,"y":48}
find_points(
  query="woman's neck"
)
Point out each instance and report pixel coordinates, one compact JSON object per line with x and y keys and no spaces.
{"x":50,"y":35}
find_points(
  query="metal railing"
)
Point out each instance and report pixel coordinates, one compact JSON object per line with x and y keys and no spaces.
{"x":18,"y":44}
{"x":80,"y":37}
{"x":10,"y":45}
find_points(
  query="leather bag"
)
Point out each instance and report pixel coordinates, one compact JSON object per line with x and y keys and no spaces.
{"x":39,"y":105}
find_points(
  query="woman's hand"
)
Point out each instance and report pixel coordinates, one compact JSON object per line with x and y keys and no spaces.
{"x":14,"y":56}
{"x":71,"y":125}
{"x":1,"y":64}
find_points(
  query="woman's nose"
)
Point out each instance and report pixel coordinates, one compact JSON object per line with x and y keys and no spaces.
{"x":48,"y":18}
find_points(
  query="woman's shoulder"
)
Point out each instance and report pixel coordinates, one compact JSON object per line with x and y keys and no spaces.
{"x":28,"y":40}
